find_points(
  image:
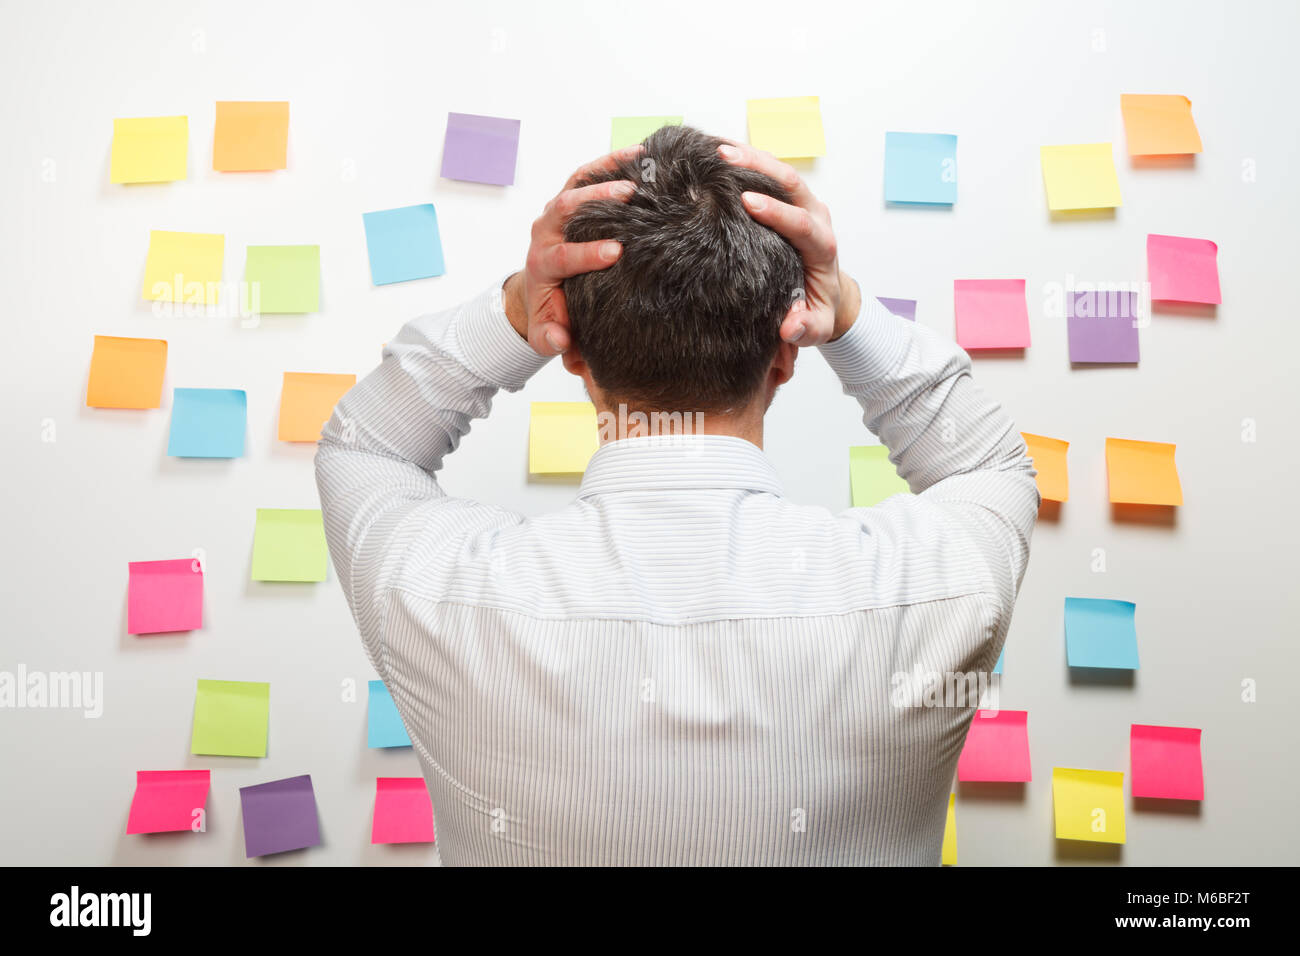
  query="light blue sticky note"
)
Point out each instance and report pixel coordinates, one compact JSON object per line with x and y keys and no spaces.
{"x":1100,"y":633}
{"x":384,"y":727}
{"x":997,"y":668}
{"x":921,"y":168}
{"x":208,"y":423}
{"x":403,"y":244}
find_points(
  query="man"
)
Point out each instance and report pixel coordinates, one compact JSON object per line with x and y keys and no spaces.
{"x":681,"y":666}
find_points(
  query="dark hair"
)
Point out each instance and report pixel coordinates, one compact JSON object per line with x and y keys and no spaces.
{"x":688,"y":318}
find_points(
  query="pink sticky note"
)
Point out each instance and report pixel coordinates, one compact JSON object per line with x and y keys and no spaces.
{"x":1166,"y":762}
{"x":1183,"y":270}
{"x":165,"y":800}
{"x":403,"y":811}
{"x":997,"y":747}
{"x":164,"y":596}
{"x":991,"y":313}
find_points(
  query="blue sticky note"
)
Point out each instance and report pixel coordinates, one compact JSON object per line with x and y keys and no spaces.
{"x":997,"y":668}
{"x":403,"y":244}
{"x":921,"y":168}
{"x":208,"y":423}
{"x":1100,"y":633}
{"x":384,"y":726}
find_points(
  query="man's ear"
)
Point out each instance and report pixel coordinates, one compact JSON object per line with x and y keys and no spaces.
{"x":574,"y":364}
{"x":782,"y":364}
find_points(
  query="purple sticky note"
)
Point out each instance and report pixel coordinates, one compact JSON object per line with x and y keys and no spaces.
{"x":906,"y":308}
{"x":1102,"y":326}
{"x":279,"y":816}
{"x":480,"y":149}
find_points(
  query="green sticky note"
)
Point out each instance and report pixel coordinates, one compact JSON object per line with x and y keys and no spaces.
{"x":289,"y":545}
{"x":282,"y":279}
{"x":629,"y":130}
{"x":872,"y":476}
{"x":230,"y":718}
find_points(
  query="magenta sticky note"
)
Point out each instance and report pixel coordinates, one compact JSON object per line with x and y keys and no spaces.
{"x":164,"y":596}
{"x":166,"y":800}
{"x":480,"y":149}
{"x":403,"y":811}
{"x":991,"y":313}
{"x":1183,"y":270}
{"x":1166,"y":762}
{"x":997,"y":747}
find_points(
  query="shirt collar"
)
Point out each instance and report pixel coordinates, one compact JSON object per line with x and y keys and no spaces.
{"x":663,"y":462}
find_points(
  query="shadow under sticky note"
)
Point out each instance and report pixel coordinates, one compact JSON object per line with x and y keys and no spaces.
{"x":184,"y":267}
{"x":1181,"y":269}
{"x":208,"y":423}
{"x":250,"y":136}
{"x":279,"y":816}
{"x":921,"y":168}
{"x":1088,"y":805}
{"x":403,"y":811}
{"x":480,"y":149}
{"x":289,"y":545}
{"x":164,"y":596}
{"x":787,"y":127}
{"x":1049,"y":457}
{"x":1101,"y":633}
{"x":1165,"y":762}
{"x":165,"y":800}
{"x":126,"y":372}
{"x":231,"y":718}
{"x":562,"y":437}
{"x":307,"y":401}
{"x":403,"y":244}
{"x":1080,"y":176}
{"x":1159,"y":125}
{"x":997,"y":748}
{"x":630,"y":130}
{"x":991,"y":313}
{"x":384,"y":727}
{"x":149,"y":149}
{"x":1142,"y":472}
{"x":872,"y":476}
{"x":281,"y":279}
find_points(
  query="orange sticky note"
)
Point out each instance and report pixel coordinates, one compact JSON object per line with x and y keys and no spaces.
{"x":1142,"y":472}
{"x":1049,"y":460}
{"x":250,"y":136}
{"x":1159,"y":125}
{"x":307,"y":401}
{"x":126,"y":373}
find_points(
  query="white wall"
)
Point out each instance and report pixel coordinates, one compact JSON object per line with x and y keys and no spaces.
{"x":370,"y":85}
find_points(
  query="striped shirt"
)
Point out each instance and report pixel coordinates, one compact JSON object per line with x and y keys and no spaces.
{"x":682,"y":666}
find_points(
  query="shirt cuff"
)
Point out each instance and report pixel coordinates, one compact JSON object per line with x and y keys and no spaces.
{"x":873,"y":346}
{"x":489,"y":345}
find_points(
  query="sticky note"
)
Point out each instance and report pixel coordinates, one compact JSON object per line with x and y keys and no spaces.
{"x":630,"y":130}
{"x":126,"y":373}
{"x":384,"y":727}
{"x":949,"y":856}
{"x":1002,"y":659}
{"x":872,"y":476}
{"x":208,"y":422}
{"x":991,"y":313}
{"x":787,"y":127}
{"x":905,"y":308}
{"x":230,"y":718}
{"x":403,"y":811}
{"x":250,"y":137}
{"x":921,"y":168}
{"x":1159,"y":125}
{"x":149,"y":149}
{"x":997,"y":747}
{"x":1165,"y":762}
{"x":562,"y":437}
{"x":289,"y":545}
{"x":1080,"y":176}
{"x":282,"y":279}
{"x":1183,"y":270}
{"x":1049,"y":455}
{"x":480,"y":149}
{"x":164,"y":596}
{"x":307,"y":401}
{"x":279,"y":816}
{"x":1102,"y":326}
{"x":1142,"y":472}
{"x":1101,"y":633}
{"x":184,"y":267}
{"x":165,"y":800}
{"x":403,"y":244}
{"x":1088,"y":805}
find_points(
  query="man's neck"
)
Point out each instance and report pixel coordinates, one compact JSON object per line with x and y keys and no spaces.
{"x":619,"y":421}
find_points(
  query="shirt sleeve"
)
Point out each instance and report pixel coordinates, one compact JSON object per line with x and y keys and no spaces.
{"x":380,"y":452}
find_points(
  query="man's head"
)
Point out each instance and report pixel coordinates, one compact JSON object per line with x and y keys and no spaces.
{"x":687,"y":319}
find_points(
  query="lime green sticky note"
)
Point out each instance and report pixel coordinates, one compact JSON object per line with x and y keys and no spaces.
{"x":562,"y":437}
{"x":872,"y":476}
{"x":282,"y":279}
{"x":230,"y":718}
{"x":289,"y":545}
{"x":629,"y":130}
{"x":787,"y":127}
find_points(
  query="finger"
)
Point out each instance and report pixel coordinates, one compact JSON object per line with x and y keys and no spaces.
{"x":551,"y":338}
{"x":604,"y":164}
{"x":804,"y":327}
{"x":786,"y":175}
{"x":565,"y":259}
{"x":806,"y":232}
{"x":559,"y":209}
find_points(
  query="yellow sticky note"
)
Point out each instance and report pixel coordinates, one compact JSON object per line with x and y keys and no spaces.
{"x":1080,"y":176}
{"x":950,"y":833}
{"x":250,"y":136}
{"x":562,"y":437}
{"x":184,"y":267}
{"x":1088,"y":804}
{"x":1158,"y":125}
{"x":787,"y":127}
{"x":1049,"y":460}
{"x":126,"y":373}
{"x":1142,"y":472}
{"x":307,"y":401}
{"x":149,"y":149}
